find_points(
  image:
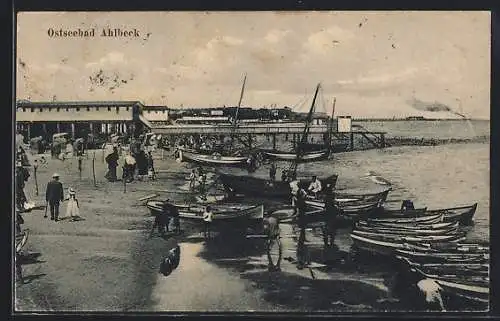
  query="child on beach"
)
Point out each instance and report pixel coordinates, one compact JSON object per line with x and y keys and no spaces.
{"x":73,"y":208}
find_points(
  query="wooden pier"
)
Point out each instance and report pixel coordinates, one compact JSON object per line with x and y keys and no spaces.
{"x":340,"y":141}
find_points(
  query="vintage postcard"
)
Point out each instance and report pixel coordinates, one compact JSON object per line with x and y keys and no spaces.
{"x":306,"y":162}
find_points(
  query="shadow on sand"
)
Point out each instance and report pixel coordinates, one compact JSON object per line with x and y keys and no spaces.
{"x":27,"y":279}
{"x":30,"y":258}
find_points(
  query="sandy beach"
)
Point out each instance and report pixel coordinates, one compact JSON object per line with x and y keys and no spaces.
{"x":107,"y":262}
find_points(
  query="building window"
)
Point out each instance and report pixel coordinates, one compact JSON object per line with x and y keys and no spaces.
{"x":163,"y":111}
{"x":41,"y":109}
{"x":97,"y":108}
{"x":57,"y":109}
{"x":88,"y":108}
{"x":117,"y":109}
{"x":109,"y":108}
{"x":67,"y":109}
{"x":50,"y":108}
{"x":128,"y":108}
{"x":24,"y":109}
{"x":77,"y":108}
{"x":32,"y":109}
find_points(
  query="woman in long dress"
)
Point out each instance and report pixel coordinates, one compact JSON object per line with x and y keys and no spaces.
{"x":73,"y":208}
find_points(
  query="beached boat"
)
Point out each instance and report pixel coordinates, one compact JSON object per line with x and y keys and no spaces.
{"x":475,"y":288}
{"x":418,"y":230}
{"x":428,"y":219}
{"x":156,"y":207}
{"x":211,"y":159}
{"x":407,"y":238}
{"x":254,"y":186}
{"x":309,"y":156}
{"x":303,"y":151}
{"x":408,"y":226}
{"x":230,"y":157}
{"x":462,"y":214}
{"x":387,"y":246}
{"x":447,"y":268}
{"x":223,"y":213}
{"x":346,"y":200}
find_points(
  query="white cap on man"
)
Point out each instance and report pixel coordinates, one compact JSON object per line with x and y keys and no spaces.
{"x":55,"y":175}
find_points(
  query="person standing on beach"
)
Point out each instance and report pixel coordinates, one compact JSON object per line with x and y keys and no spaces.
{"x":202,"y":181}
{"x":22,"y":176}
{"x":192,"y":180}
{"x":54,"y":195}
{"x":112,"y":160}
{"x":331,"y":213}
{"x":272,"y":229}
{"x":151,"y":167}
{"x":73,"y":207}
{"x":272,"y":172}
{"x":207,"y":219}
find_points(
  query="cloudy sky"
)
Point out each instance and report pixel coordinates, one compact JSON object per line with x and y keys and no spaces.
{"x":377,"y":64}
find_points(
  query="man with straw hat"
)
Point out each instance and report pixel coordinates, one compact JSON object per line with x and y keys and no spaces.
{"x":54,"y":195}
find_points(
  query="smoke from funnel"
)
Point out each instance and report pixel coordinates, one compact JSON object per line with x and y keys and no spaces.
{"x":432,"y":107}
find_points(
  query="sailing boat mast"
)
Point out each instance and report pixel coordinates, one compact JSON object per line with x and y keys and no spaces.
{"x":329,"y":126}
{"x":235,"y":120}
{"x":239,"y":102}
{"x":300,"y":147}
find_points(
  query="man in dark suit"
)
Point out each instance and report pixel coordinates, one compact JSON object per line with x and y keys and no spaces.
{"x":54,"y":195}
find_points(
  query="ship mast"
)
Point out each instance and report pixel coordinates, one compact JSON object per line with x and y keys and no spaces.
{"x":303,"y":140}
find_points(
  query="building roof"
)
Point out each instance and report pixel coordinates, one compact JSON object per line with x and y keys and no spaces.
{"x":157,"y":107}
{"x":40,"y":104}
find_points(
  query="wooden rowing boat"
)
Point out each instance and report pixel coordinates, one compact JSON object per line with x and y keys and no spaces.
{"x":353,"y":206}
{"x":407,"y":238}
{"x":255,"y":186}
{"x":428,"y":219}
{"x":409,"y":226}
{"x":472,"y":288}
{"x":211,"y":159}
{"x":417,"y":230}
{"x":462,"y":214}
{"x":387,"y":246}
{"x":221,"y":211}
{"x":449,"y":268}
{"x":309,"y":156}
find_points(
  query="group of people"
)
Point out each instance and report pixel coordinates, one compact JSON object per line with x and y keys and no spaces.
{"x":299,"y":197}
{"x":139,"y":162}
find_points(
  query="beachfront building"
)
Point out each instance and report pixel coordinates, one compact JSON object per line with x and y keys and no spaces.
{"x":157,"y":115}
{"x":79,"y":118}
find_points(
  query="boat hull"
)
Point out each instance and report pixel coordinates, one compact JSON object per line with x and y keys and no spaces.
{"x":462,"y":214}
{"x":254,"y":186}
{"x":214,"y":160}
{"x":415,"y":231}
{"x":389,"y":246}
{"x":222,"y":213}
{"x":310,"y":156}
